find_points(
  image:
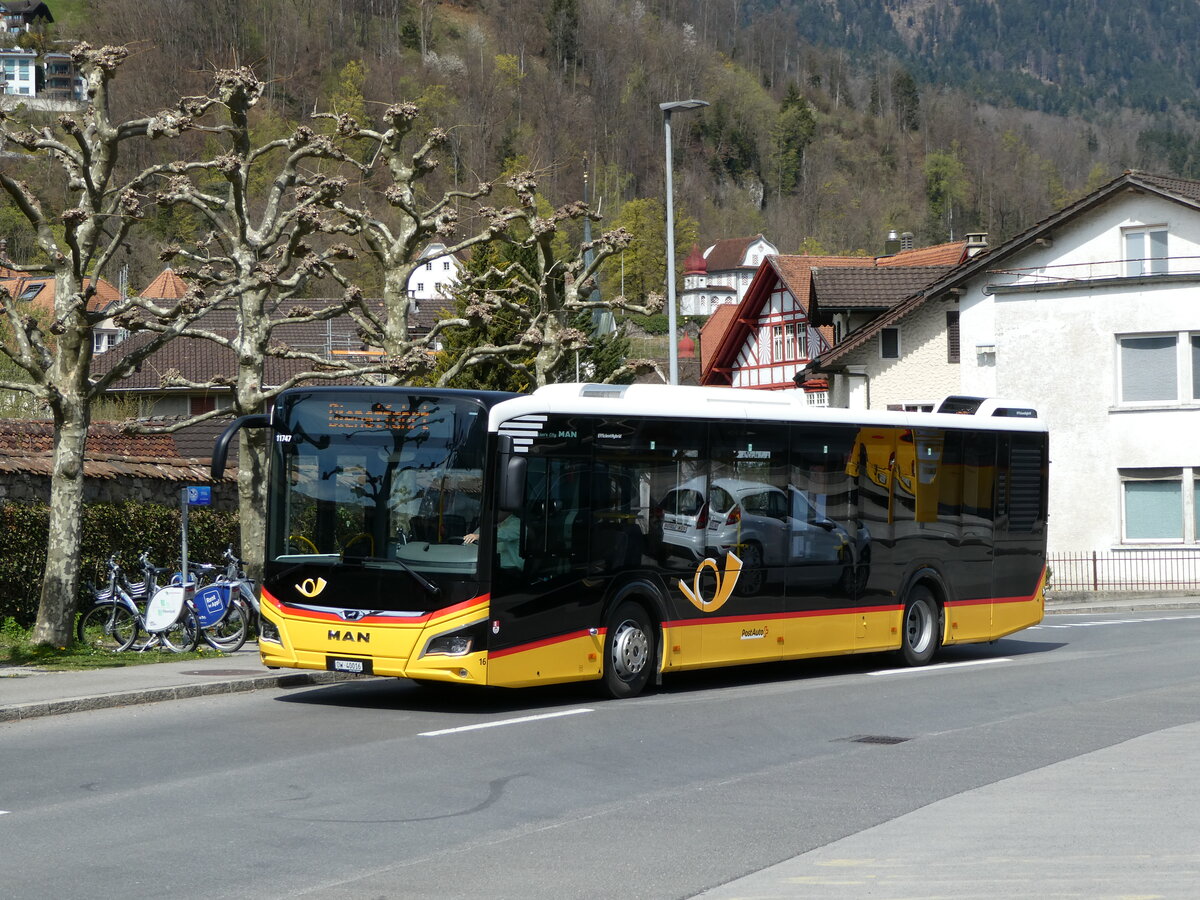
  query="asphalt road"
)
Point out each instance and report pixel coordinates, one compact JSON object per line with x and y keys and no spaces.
{"x":719,"y":782}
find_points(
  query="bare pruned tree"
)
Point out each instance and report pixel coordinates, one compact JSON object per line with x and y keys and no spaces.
{"x":260,"y":253}
{"x":547,"y":295}
{"x":394,"y":239}
{"x":76,"y":241}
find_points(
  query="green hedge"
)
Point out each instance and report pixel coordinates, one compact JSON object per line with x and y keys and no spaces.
{"x":122,"y":528}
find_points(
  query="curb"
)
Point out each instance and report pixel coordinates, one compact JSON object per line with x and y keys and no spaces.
{"x":21,"y":711}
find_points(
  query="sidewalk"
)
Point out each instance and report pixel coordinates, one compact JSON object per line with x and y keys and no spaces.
{"x":28,"y":694}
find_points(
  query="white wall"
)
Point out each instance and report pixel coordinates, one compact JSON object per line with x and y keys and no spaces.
{"x":1056,"y":348}
{"x":922,"y":374}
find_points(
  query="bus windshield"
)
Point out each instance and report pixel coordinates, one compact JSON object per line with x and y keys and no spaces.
{"x":395,"y":482}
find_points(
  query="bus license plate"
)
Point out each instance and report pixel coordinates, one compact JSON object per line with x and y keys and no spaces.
{"x":353,"y":666}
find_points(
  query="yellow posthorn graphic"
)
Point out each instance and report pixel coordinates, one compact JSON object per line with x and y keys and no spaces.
{"x":725,"y":583}
{"x":310,"y":588}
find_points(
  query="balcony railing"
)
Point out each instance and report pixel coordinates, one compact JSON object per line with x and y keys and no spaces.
{"x":1095,"y":270}
{"x":1132,"y":570}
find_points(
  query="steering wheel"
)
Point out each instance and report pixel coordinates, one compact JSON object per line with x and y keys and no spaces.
{"x":298,"y":539}
{"x":361,"y":536}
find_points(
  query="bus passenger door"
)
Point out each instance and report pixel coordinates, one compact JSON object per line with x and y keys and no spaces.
{"x":542,"y":601}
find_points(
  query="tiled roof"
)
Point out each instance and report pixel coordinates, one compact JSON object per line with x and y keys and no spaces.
{"x":198,"y":360}
{"x":728,"y":253}
{"x":950,"y":254}
{"x":1180,"y":187}
{"x":712,"y":332}
{"x":18,"y":284}
{"x":166,"y":286}
{"x":866,"y":288}
{"x":26,"y":447}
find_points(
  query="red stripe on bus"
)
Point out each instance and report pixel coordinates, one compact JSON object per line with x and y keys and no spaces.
{"x":537,"y":645}
{"x":305,"y":613}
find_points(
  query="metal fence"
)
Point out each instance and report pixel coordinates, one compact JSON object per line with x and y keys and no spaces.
{"x":1133,"y":570}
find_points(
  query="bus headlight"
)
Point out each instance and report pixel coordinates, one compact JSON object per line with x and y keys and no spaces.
{"x":458,"y":642}
{"x":267,"y":631}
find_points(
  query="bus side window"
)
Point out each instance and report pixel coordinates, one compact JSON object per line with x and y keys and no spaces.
{"x":555,"y":498}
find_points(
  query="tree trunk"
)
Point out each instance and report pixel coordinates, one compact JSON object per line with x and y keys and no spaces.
{"x":252,"y":498}
{"x":60,"y":582}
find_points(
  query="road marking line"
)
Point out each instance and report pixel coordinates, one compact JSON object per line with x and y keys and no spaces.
{"x":1115,"y":622}
{"x":912,"y":670}
{"x":523,"y":719}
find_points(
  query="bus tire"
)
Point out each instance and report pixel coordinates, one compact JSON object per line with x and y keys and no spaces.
{"x":628,"y":651}
{"x":919,"y":627}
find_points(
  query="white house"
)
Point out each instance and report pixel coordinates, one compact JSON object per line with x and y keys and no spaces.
{"x":436,"y":277}
{"x":18,"y":72}
{"x":1090,"y":316}
{"x":721,"y":274}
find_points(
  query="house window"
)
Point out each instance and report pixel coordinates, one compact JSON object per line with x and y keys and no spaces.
{"x":446,"y":265}
{"x":1146,"y":251}
{"x":776,"y":343}
{"x":429,"y":267}
{"x":889,"y":343}
{"x":1196,"y":366}
{"x":789,"y":342}
{"x":1152,"y":368}
{"x":421,"y":286}
{"x":1155,"y":507}
{"x":198,"y":405}
{"x":952,"y":336}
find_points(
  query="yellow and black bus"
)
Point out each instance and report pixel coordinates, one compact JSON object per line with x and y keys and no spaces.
{"x":619,"y":533}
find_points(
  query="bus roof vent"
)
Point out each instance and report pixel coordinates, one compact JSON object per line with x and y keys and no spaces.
{"x":603,"y":390}
{"x":984,"y":406}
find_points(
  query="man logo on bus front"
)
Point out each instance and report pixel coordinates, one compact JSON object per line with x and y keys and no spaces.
{"x":725,"y":583}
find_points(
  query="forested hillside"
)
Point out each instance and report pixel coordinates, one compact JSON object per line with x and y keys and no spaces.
{"x":831,"y":121}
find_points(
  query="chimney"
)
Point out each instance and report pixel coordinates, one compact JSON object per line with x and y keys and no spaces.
{"x":906,"y":241}
{"x":976,"y":243}
{"x":891,"y":246}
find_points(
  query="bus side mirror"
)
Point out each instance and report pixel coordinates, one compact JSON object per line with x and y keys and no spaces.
{"x":221,"y":447}
{"x":510,"y":470}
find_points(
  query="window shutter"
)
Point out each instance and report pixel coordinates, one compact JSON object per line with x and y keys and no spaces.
{"x":952,"y":351}
{"x":1148,"y":369}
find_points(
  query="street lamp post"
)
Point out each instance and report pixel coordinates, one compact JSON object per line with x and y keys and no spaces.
{"x":667,"y":109}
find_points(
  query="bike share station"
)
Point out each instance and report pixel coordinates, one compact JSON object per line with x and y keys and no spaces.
{"x":210,"y":603}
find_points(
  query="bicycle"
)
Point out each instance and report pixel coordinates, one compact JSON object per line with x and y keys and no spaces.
{"x":115,"y":622}
{"x":223,"y":614}
{"x":235,"y":574}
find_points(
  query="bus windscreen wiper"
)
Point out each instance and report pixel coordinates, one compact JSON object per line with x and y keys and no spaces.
{"x":387,"y":563}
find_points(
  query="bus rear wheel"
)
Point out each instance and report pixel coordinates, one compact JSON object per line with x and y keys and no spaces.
{"x":919,"y":629}
{"x":628,"y":651}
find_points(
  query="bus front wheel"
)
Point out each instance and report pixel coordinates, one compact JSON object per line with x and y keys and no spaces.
{"x":919,"y":629}
{"x":628,"y":651}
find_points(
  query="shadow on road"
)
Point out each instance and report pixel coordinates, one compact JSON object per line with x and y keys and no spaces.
{"x":402,"y":694}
